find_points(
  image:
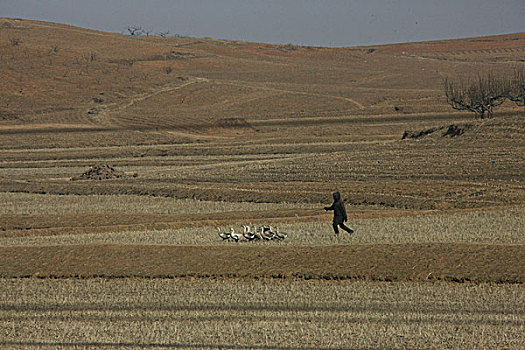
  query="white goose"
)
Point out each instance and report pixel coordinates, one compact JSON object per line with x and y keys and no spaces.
{"x":223,"y":235}
{"x":271,"y":232}
{"x":280,"y":235}
{"x":257,"y":233}
{"x":266,"y":233}
{"x":247,"y":233}
{"x":234,"y":235}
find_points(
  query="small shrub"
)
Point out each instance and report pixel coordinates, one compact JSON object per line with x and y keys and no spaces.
{"x":53,"y":50}
{"x":14,"y":41}
{"x":135,"y":30}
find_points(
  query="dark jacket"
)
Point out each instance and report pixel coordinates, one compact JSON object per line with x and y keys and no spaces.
{"x":339,"y":209}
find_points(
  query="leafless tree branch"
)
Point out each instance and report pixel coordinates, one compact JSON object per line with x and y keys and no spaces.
{"x":479,"y":95}
{"x":516,"y":89}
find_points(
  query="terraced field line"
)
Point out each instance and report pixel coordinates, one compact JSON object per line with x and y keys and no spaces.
{"x":354,"y":102}
{"x":225,"y":163}
{"x":164,"y":89}
{"x":100,"y":117}
{"x":230,"y":145}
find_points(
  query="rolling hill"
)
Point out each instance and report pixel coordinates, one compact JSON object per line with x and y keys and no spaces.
{"x":237,"y":121}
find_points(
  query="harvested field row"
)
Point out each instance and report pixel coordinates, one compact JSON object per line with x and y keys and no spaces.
{"x":399,"y":194}
{"x":258,"y":314}
{"x":310,"y":228}
{"x":39,"y":204}
{"x":385,"y":262}
{"x":12,"y":225}
{"x":479,"y":168}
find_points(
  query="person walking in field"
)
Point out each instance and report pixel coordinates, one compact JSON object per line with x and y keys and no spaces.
{"x":339,"y":214}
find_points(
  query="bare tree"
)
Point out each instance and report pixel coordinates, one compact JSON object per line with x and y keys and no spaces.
{"x":135,"y":30}
{"x":53,"y":50}
{"x":480,"y":95}
{"x":516,"y":89}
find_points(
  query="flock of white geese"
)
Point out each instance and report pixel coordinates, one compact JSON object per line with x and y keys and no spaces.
{"x":260,"y":233}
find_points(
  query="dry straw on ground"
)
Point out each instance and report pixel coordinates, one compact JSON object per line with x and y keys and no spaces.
{"x":211,"y":314}
{"x":498,"y":226}
{"x":38,"y":204}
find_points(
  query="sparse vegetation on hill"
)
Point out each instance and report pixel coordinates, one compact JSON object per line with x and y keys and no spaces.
{"x":260,"y":81}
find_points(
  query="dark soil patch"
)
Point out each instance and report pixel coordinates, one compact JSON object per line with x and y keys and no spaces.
{"x":450,"y":131}
{"x":455,"y":130}
{"x":456,"y":262}
{"x":418,"y":134}
{"x":235,"y":123}
{"x":100,"y":172}
{"x":98,"y":99}
{"x":6,"y":116}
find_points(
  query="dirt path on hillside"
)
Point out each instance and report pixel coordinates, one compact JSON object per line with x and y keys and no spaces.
{"x":102,"y":113}
{"x":266,"y":88}
{"x":167,"y":88}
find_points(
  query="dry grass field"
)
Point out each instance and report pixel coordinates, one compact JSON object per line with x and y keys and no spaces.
{"x":219,"y":133}
{"x":262,"y":314}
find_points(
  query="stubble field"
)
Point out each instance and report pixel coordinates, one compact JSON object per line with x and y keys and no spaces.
{"x":261,"y":314}
{"x":240,"y":133}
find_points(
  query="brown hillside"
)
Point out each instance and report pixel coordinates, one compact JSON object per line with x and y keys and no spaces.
{"x":236,"y":121}
{"x":55,"y":73}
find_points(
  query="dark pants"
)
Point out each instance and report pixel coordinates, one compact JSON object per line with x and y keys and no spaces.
{"x":343,"y":226}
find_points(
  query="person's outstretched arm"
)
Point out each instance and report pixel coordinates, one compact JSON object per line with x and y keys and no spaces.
{"x":330,"y":207}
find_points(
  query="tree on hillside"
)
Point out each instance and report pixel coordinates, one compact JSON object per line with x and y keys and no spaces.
{"x":480,"y":95}
{"x":516,"y":89}
{"x":135,"y":30}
